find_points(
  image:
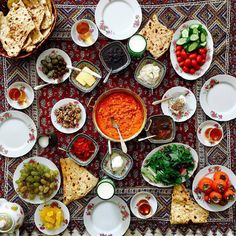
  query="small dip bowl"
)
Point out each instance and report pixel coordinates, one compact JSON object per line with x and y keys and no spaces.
{"x":74,"y":73}
{"x":75,"y":158}
{"x":106,"y":164}
{"x":161,"y":125}
{"x":117,"y":53}
{"x":146,"y":61}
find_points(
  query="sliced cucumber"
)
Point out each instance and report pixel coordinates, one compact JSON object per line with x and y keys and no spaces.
{"x":186,"y":46}
{"x":181,"y":41}
{"x":203,"y":44}
{"x":185,"y":33}
{"x":194,"y":37}
{"x":195,"y":31}
{"x":193,"y":46}
{"x":203,"y":31}
{"x":194,"y":26}
{"x":202,"y":37}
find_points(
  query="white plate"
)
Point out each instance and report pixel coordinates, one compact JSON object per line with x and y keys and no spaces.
{"x":75,"y":36}
{"x":209,"y":56}
{"x":44,"y":161}
{"x":110,"y":217}
{"x":139,"y":196}
{"x":118,"y":19}
{"x":190,"y":106}
{"x":29,"y":93}
{"x":18,"y":134}
{"x":160,"y":185}
{"x":46,"y":53}
{"x":209,"y":172}
{"x":58,"y":126}
{"x":201,"y":132}
{"x":218,"y":97}
{"x":39,"y":224}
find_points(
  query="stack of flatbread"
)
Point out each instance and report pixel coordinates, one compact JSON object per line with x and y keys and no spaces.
{"x":185,"y":210}
{"x":27,"y":23}
{"x":77,"y":181}
{"x":158,"y":37}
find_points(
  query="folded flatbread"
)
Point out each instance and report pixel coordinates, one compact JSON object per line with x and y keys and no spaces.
{"x":77,"y":181}
{"x":184,"y":209}
{"x":157,"y":35}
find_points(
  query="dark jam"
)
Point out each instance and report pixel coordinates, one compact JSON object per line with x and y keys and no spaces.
{"x":161,"y":127}
{"x":114,"y":56}
{"x":144,"y":207}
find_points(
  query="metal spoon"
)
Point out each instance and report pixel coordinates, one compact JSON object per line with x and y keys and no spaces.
{"x":107,"y":76}
{"x":122,"y":142}
{"x":56,"y":81}
{"x":110,"y":152}
{"x":171,"y":97}
{"x":142,"y":139}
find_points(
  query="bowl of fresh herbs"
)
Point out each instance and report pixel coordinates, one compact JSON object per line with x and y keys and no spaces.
{"x":169,"y":165}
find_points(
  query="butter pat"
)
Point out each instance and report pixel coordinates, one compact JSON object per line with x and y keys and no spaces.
{"x":84,"y":78}
{"x":117,"y":163}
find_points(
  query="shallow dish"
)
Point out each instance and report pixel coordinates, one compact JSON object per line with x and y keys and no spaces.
{"x":75,"y":36}
{"x":124,"y":51}
{"x":150,"y":60}
{"x":149,"y":124}
{"x":74,"y":73}
{"x":209,"y":56}
{"x":43,"y":161}
{"x":106,"y":164}
{"x":39,"y":224}
{"x":75,"y":158}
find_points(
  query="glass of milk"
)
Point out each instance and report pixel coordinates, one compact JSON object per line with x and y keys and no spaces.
{"x":105,"y":188}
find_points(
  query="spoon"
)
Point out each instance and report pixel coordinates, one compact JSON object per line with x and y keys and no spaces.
{"x":169,"y":98}
{"x":107,"y":76}
{"x":56,"y":81}
{"x":110,"y":152}
{"x":122,"y":142}
{"x":87,"y":70}
{"x":142,"y":139}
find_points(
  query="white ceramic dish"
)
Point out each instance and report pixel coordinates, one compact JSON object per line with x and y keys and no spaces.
{"x":39,"y":224}
{"x":109,"y":217}
{"x":160,"y":185}
{"x":93,"y":30}
{"x":201,"y":132}
{"x":46,"y":53}
{"x":209,"y":171}
{"x":18,"y":134}
{"x":218,"y":97}
{"x":118,"y":19}
{"x":58,"y":126}
{"x":190,"y":106}
{"x":44,"y":161}
{"x":140,"y":196}
{"x":173,"y":58}
{"x":29,"y":93}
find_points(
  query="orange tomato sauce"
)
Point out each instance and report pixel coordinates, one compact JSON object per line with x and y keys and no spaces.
{"x":126,"y":111}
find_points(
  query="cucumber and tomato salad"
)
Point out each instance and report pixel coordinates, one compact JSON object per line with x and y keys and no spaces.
{"x":193,"y":37}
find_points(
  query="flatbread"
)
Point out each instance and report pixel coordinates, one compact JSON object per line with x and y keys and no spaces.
{"x":16,"y":28}
{"x":77,"y":181}
{"x":184,"y":209}
{"x":157,"y":35}
{"x":48,"y":17}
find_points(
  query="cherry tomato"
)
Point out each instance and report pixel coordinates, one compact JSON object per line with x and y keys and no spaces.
{"x":194,"y":63}
{"x":206,"y":198}
{"x":199,"y":59}
{"x":192,"y":71}
{"x":193,"y":55}
{"x":203,"y":56}
{"x":203,"y":61}
{"x":181,"y":64}
{"x":201,"y":51}
{"x":197,"y":67}
{"x":186,"y":69}
{"x":179,"y":59}
{"x":179,"y":48}
{"x":183,"y":54}
{"x":178,"y":53}
{"x":205,"y":50}
{"x":187,"y":62}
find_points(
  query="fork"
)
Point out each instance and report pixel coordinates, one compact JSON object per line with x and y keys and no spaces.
{"x":122,"y":142}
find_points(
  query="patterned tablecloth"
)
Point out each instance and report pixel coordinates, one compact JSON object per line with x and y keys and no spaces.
{"x":219,"y":16}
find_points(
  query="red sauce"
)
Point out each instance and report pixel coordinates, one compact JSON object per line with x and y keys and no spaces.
{"x":14,"y":94}
{"x":216,"y":134}
{"x":82,"y":27}
{"x":144,"y":207}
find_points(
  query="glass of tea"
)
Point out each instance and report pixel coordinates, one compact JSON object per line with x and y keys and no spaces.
{"x":83,"y":30}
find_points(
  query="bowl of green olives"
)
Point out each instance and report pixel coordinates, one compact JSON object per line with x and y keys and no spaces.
{"x":52,"y":65}
{"x":36,"y":180}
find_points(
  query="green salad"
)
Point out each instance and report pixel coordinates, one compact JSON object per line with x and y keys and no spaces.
{"x":169,"y":166}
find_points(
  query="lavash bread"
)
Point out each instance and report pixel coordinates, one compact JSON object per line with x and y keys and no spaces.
{"x":77,"y":181}
{"x":157,"y":35}
{"x":184,"y":209}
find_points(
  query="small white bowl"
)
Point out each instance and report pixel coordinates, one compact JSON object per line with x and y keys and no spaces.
{"x":139,"y":196}
{"x":29,"y":93}
{"x":201,"y":130}
{"x":75,"y":36}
